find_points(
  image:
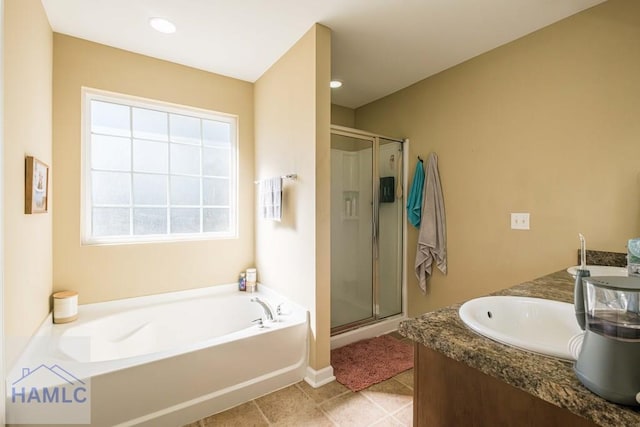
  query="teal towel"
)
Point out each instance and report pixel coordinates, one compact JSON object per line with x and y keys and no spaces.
{"x":414,"y":201}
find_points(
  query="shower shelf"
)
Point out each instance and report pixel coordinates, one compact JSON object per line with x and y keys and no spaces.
{"x":350,"y":204}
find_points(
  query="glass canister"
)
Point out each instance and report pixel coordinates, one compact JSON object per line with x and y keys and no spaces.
{"x":612,"y":306}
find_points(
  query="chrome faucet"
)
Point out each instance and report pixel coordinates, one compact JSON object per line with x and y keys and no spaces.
{"x":269,"y":313}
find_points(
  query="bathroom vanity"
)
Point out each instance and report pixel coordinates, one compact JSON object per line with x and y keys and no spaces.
{"x":462,"y":378}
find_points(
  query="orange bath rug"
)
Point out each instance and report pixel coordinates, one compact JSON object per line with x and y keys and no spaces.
{"x":367,"y":362}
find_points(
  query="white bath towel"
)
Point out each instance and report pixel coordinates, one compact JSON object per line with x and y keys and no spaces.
{"x":432,"y":239}
{"x":270,"y":199}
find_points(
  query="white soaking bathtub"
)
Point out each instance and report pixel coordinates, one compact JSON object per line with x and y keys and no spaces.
{"x":173,"y":358}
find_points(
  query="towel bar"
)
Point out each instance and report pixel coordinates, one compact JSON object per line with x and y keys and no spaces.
{"x":287,"y":176}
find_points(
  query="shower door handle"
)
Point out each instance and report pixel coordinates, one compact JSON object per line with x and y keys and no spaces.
{"x":375,"y":241}
{"x":376,"y":224}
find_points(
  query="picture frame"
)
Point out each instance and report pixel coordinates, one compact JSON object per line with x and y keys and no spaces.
{"x":36,"y":186}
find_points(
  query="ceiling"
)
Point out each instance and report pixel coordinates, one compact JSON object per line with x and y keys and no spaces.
{"x":378,"y":46}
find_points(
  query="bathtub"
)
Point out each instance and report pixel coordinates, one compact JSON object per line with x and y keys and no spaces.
{"x":173,"y":358}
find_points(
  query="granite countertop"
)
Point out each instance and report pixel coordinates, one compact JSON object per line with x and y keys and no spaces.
{"x":549,"y":379}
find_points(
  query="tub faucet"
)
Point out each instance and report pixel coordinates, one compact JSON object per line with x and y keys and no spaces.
{"x":269,"y":313}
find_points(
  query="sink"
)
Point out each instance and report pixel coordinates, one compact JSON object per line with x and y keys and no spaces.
{"x":532,"y":324}
{"x":599,"y":270}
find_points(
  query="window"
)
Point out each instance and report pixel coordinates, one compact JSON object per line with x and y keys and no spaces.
{"x":155,"y":171}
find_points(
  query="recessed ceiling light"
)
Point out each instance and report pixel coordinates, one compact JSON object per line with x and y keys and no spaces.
{"x":163,"y":25}
{"x":334,"y":84}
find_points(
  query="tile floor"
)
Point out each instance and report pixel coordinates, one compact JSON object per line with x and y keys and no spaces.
{"x":388,"y":403}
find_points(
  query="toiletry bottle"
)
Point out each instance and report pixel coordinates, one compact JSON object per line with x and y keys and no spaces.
{"x":252,"y":285}
{"x":242,"y":282}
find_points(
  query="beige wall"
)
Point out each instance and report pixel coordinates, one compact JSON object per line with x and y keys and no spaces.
{"x":2,"y":299}
{"x":27,"y":131}
{"x":547,"y":124}
{"x":322,"y":357}
{"x":292,"y":136}
{"x":343,"y":116}
{"x":108,"y":272}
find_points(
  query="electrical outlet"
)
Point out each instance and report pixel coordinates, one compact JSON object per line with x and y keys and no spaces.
{"x":520,"y":221}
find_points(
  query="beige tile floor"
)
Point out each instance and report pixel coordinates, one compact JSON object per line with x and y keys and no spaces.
{"x":388,"y":403}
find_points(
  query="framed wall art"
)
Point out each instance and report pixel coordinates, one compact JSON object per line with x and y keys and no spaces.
{"x":36,"y":186}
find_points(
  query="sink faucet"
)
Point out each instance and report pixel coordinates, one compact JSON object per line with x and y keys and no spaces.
{"x":269,"y":313}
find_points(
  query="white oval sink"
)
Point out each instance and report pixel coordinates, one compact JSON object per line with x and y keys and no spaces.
{"x":533,"y":324}
{"x":599,"y":270}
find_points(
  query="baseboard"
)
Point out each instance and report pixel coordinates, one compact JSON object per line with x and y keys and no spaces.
{"x":319,"y":378}
{"x":370,"y":331}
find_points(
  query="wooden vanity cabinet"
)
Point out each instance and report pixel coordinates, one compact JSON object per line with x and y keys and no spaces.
{"x":448,"y":393}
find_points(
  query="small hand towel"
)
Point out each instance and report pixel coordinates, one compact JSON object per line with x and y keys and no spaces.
{"x":432,"y":239}
{"x":270,"y":199}
{"x":414,"y":201}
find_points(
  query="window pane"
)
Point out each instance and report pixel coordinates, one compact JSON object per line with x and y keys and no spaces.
{"x":185,"y":220}
{"x":111,"y":188}
{"x":185,"y":129}
{"x":110,"y":119}
{"x":185,"y":190}
{"x":216,"y":133}
{"x":149,"y":124}
{"x":150,"y":221}
{"x":215,"y":192}
{"x":185,"y":159}
{"x":216,"y":161}
{"x":110,"y":152}
{"x":216,"y":219}
{"x":150,"y":156}
{"x":149,"y":189}
{"x":110,"y":222}
{"x":156,"y":171}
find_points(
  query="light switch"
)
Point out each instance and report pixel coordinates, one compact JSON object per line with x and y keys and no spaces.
{"x":520,"y":221}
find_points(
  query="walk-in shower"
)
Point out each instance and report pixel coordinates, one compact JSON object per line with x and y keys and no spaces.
{"x":367,"y":203}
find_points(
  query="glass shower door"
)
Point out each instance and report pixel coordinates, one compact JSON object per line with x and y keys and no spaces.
{"x":389,"y":228}
{"x":352,"y":260}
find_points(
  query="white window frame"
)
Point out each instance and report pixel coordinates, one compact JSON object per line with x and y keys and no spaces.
{"x":90,"y":94}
